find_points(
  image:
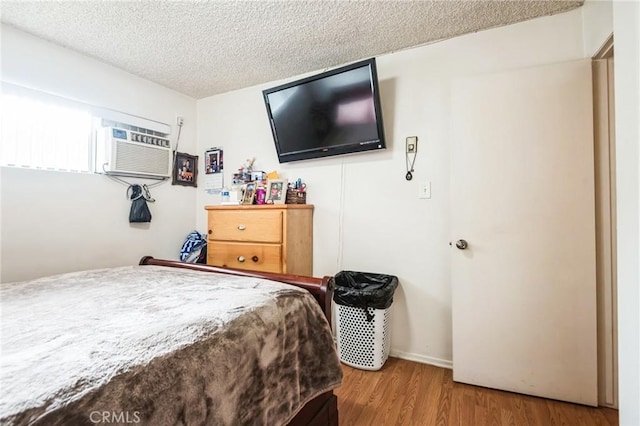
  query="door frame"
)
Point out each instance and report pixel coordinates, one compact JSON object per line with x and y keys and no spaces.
{"x":605,"y":191}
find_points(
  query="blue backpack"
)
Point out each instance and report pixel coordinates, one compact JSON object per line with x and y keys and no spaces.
{"x":194,"y":249}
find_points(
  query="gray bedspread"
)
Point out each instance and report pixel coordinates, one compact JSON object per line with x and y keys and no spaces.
{"x":152,"y":345}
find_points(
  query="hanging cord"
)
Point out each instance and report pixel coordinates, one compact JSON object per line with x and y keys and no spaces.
{"x":341,"y":217}
{"x":409,"y":174}
{"x":175,"y":151}
{"x":410,"y":164}
{"x":143,"y":193}
{"x":125,"y":183}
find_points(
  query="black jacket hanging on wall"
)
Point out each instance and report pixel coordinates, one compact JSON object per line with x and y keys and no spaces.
{"x":139,"y":209}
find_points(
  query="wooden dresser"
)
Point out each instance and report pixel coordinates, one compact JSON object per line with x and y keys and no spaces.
{"x":270,"y":238}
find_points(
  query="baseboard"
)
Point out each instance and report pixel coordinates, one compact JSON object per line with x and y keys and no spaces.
{"x":444,"y":363}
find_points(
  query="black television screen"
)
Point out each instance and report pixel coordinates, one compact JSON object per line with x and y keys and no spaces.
{"x":336,"y":112}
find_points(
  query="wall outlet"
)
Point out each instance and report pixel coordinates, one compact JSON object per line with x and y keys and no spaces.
{"x":179,"y":120}
{"x":412,"y":144}
{"x":424,"y":190}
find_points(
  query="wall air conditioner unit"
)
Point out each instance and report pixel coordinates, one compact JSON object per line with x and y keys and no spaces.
{"x":128,"y":153}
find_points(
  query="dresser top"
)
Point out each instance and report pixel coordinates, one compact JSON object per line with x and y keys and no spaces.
{"x":260,"y":207}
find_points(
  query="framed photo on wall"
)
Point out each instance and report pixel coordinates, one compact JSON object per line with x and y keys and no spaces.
{"x":185,"y":170}
{"x":276,"y":191}
{"x":213,"y":161}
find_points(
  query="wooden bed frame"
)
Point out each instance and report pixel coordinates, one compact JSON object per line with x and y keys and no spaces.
{"x":323,"y":409}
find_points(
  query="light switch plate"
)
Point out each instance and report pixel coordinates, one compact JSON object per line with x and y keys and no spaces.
{"x":412,"y":144}
{"x":425,"y":190}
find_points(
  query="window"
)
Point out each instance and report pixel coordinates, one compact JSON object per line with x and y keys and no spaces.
{"x":40,"y":130}
{"x":45,"y":135}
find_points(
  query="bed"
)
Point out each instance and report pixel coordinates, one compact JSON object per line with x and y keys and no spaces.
{"x":168,"y":343}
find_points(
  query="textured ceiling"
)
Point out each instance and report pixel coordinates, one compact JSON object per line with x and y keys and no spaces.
{"x":209,"y":47}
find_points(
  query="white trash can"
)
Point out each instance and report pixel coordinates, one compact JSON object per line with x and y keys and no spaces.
{"x":363,"y":344}
{"x":363,"y":314}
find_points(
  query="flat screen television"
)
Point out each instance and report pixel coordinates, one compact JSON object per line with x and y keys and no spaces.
{"x":336,"y":112}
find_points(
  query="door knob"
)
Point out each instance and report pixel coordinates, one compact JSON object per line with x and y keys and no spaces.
{"x":462,"y":244}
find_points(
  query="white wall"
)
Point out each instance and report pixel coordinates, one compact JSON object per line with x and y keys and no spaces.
{"x":367,"y":216}
{"x":626,"y":27}
{"x":597,"y":24}
{"x":600,"y":19}
{"x":55,"y":222}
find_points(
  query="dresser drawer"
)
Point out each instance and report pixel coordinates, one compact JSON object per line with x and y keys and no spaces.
{"x":265,"y":226}
{"x":255,"y":257}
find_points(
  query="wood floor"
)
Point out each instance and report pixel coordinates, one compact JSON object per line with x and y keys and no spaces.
{"x":408,"y":393}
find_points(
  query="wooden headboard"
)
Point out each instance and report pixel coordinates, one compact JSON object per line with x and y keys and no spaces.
{"x":320,"y":288}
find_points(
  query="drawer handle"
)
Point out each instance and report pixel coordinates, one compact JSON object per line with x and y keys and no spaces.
{"x":241,"y":227}
{"x":255,"y":258}
{"x":241,"y":259}
{"x":210,"y":232}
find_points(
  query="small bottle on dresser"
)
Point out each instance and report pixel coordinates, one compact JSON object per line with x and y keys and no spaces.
{"x":225,"y":195}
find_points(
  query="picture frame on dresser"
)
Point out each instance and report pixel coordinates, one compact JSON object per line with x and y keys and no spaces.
{"x":185,"y":170}
{"x":276,"y":191}
{"x":249,"y":193}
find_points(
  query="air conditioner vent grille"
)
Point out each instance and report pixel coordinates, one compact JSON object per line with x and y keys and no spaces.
{"x":134,"y":158}
{"x":126,"y":153}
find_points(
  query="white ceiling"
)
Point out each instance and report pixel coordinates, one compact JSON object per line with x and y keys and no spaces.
{"x":209,"y":47}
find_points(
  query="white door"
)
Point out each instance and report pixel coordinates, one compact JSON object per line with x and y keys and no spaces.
{"x":524,"y":289}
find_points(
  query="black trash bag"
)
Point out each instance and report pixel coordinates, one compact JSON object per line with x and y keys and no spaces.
{"x":364,"y":290}
{"x":139,"y":210}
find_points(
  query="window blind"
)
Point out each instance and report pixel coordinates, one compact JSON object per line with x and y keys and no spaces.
{"x":44,"y":135}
